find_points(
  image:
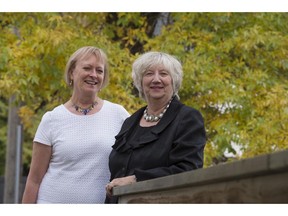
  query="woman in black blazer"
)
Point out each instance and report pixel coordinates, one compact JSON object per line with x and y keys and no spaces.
{"x":163,"y":138}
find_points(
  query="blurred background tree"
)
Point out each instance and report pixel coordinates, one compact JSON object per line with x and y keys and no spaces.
{"x":235,"y":70}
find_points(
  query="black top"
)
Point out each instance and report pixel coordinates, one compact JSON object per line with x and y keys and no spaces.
{"x":138,"y":133}
{"x":174,"y":145}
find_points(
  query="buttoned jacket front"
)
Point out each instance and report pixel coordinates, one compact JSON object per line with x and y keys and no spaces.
{"x":174,"y":145}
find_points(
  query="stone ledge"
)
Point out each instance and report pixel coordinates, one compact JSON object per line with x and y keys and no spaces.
{"x":252,"y":168}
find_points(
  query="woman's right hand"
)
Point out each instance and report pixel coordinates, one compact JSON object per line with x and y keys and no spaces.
{"x":119,"y":182}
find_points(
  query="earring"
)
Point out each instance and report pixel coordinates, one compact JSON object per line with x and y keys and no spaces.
{"x":71,"y":82}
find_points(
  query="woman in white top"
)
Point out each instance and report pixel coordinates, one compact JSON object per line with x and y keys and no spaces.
{"x":73,"y":141}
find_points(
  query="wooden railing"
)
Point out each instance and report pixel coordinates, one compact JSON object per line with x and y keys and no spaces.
{"x":263,"y":179}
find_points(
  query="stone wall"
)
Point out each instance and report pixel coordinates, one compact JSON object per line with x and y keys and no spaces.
{"x":263,"y":179}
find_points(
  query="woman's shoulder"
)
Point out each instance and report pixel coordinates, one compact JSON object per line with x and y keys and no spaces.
{"x":114,"y":107}
{"x":58,"y":110}
{"x":190,"y":109}
{"x":191,"y":113}
{"x":112,"y":104}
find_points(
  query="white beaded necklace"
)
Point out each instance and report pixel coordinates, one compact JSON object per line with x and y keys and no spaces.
{"x":155,"y":118}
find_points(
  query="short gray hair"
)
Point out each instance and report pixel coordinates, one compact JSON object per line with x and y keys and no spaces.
{"x":150,"y":59}
{"x":82,"y":53}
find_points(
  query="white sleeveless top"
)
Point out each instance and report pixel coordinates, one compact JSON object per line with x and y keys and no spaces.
{"x":81,"y":144}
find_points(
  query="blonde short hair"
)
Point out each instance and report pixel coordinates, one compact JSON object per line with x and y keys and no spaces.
{"x":150,"y":59}
{"x":82,"y":53}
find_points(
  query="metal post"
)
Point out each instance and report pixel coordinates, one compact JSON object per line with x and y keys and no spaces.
{"x":18,"y":163}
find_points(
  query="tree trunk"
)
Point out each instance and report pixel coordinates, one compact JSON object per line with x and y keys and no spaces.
{"x":162,"y":20}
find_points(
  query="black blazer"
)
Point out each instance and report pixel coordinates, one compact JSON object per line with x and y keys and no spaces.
{"x":174,"y":145}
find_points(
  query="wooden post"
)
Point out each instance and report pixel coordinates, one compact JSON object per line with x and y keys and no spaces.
{"x":13,"y":155}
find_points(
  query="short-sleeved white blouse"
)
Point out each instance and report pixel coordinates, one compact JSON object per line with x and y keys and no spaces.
{"x":81,"y":144}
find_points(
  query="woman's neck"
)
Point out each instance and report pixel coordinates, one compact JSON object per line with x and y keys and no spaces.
{"x":85,"y":101}
{"x":156,"y":106}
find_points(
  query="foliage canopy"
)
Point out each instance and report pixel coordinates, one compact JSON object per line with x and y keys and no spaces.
{"x":235,"y":69}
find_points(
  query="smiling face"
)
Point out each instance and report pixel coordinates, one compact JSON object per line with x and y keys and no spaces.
{"x":157,"y":83}
{"x":88,"y":75}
